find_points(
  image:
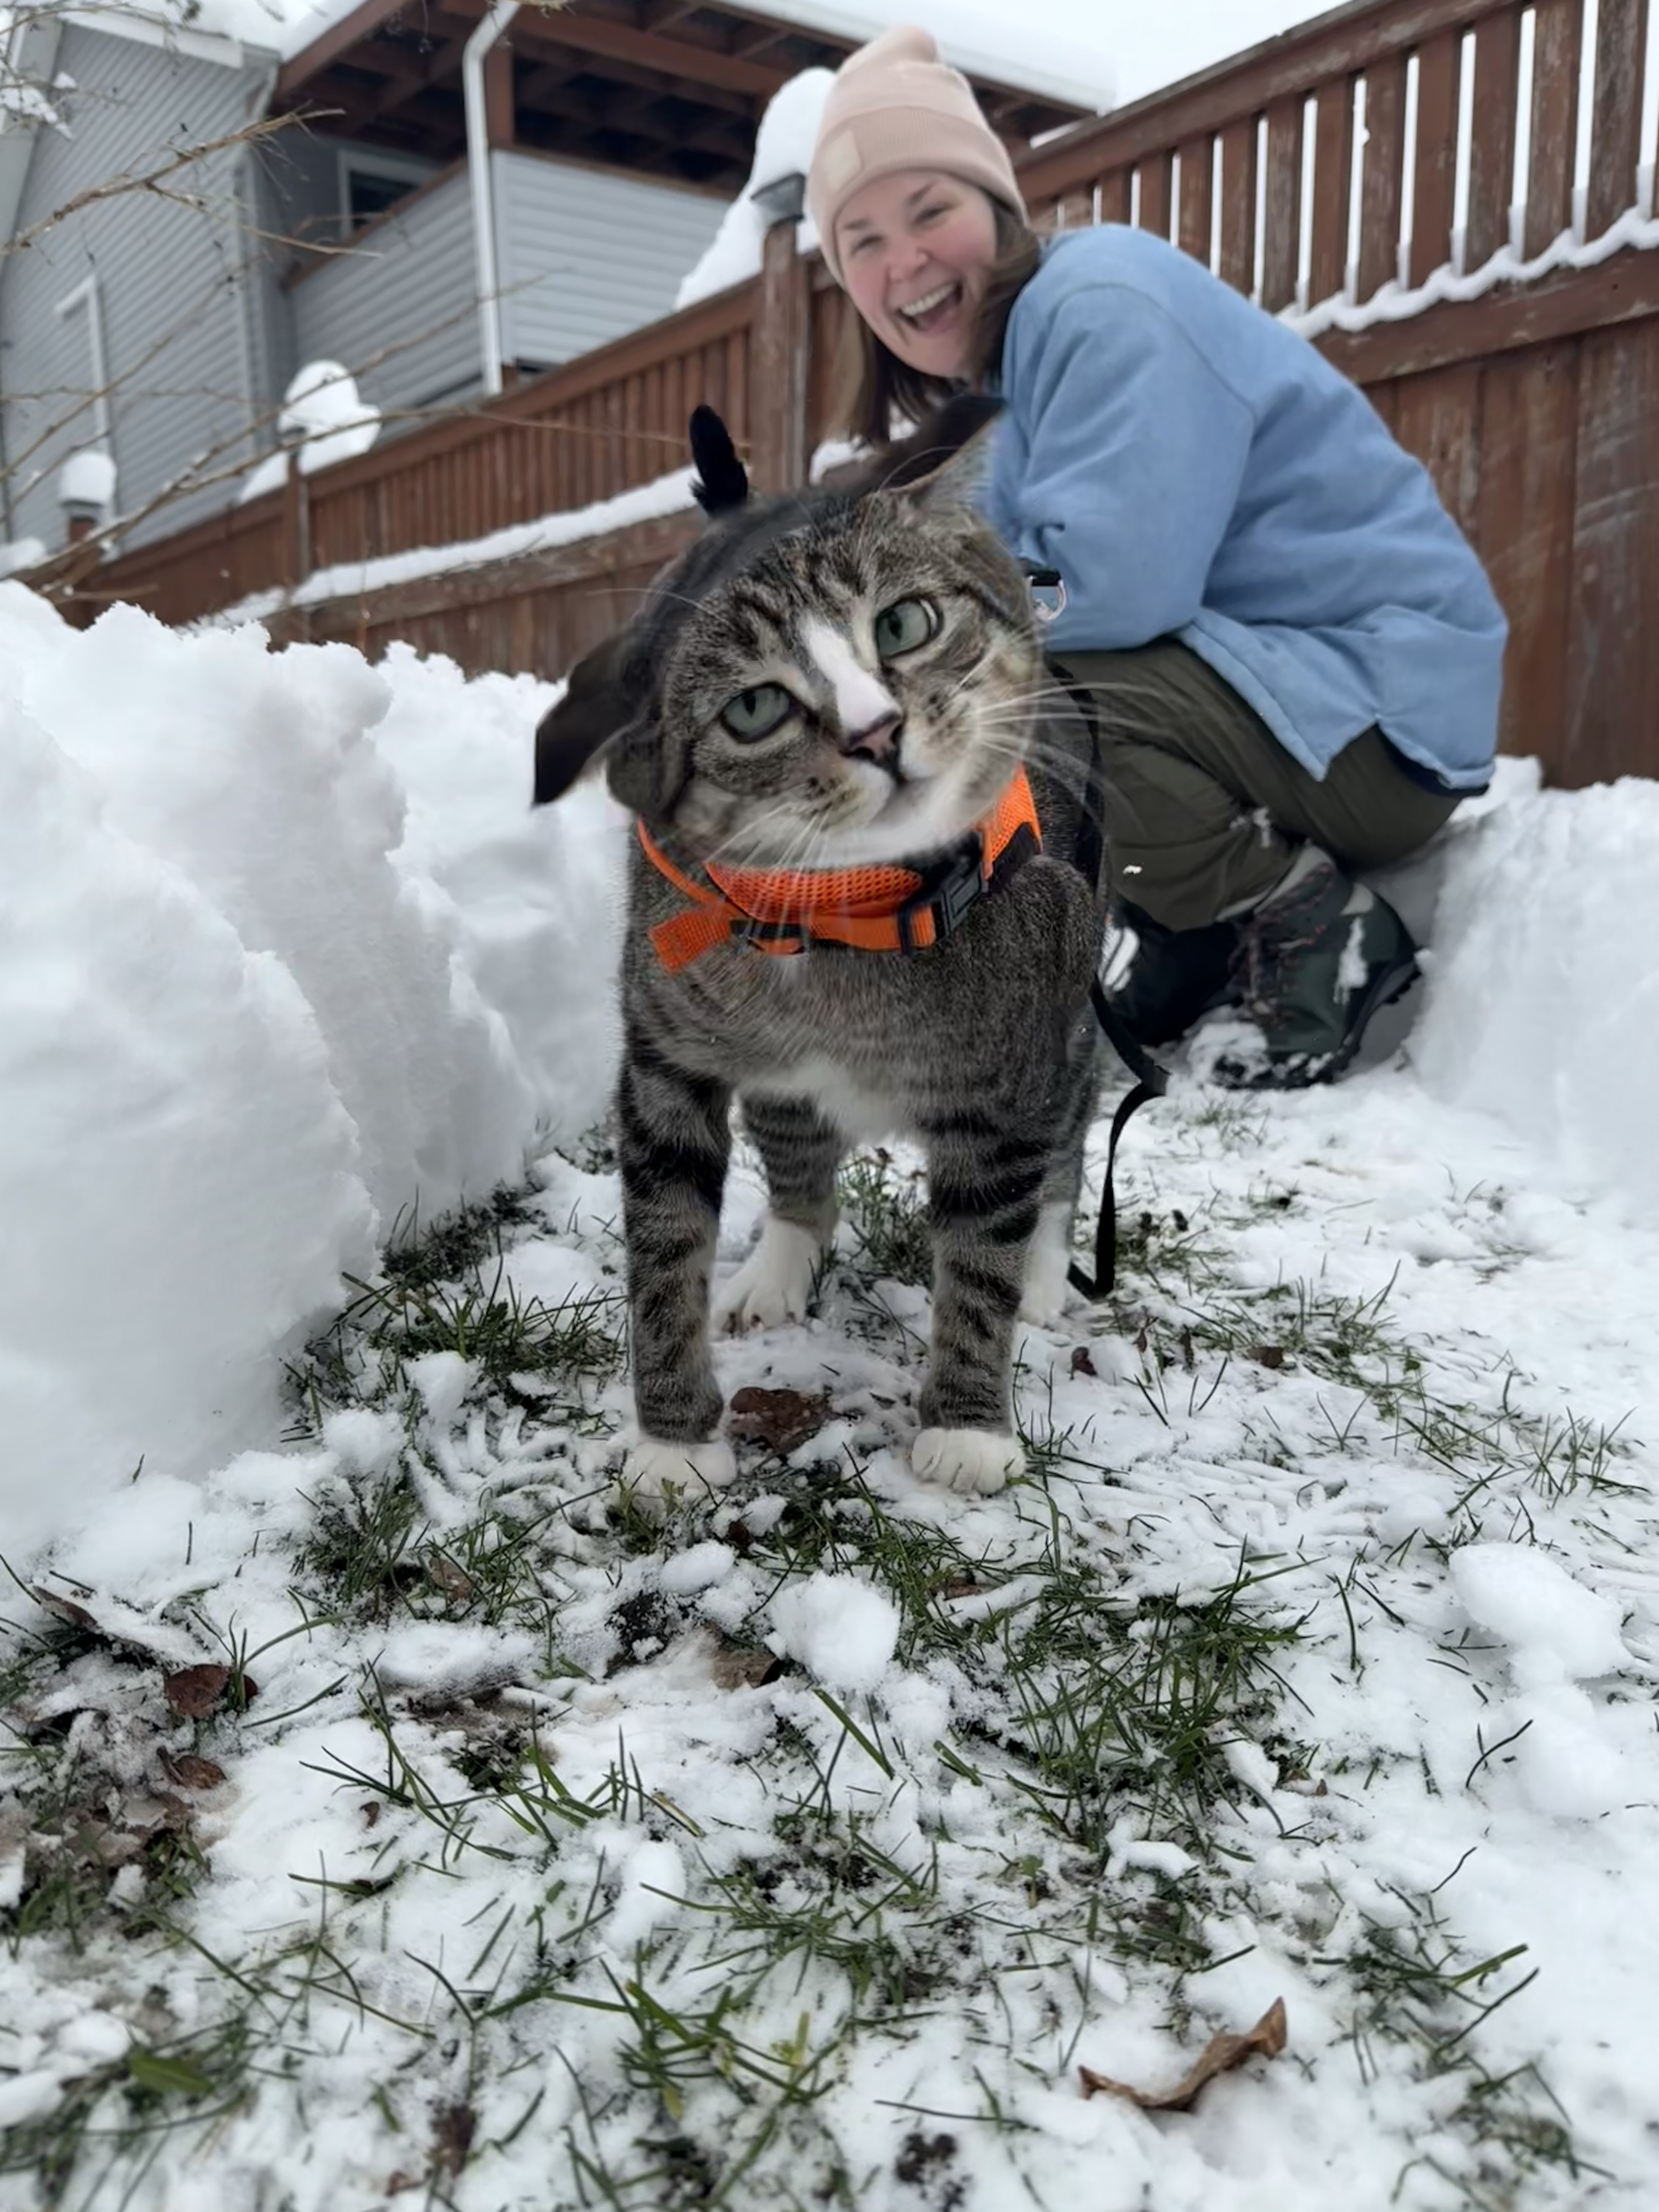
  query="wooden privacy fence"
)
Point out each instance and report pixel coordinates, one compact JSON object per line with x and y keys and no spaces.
{"x":1395,"y":141}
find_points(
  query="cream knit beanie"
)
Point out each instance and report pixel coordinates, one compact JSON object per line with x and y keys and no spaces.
{"x":895,"y":104}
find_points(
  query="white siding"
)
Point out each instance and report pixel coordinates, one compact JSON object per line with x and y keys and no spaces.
{"x":180,"y":354}
{"x":399,"y":309}
{"x":586,"y":255}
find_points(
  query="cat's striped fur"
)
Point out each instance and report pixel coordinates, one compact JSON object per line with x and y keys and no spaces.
{"x":980,"y":1048}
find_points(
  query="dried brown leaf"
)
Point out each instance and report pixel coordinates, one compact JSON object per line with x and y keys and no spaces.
{"x":452,"y":2138}
{"x":734,"y":1668}
{"x":197,"y":1693}
{"x":66,"y":1609}
{"x":1268,"y":1355}
{"x":191,"y":1773}
{"x":1081,"y":1362}
{"x":780,"y":1420}
{"x":1219,"y":2055}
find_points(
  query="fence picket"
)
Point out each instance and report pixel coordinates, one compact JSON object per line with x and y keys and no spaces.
{"x":1434,"y":167}
{"x":1622,"y":54}
{"x":1239,"y":165}
{"x":1333,"y":188}
{"x":1197,"y":191}
{"x":1381,"y":179}
{"x":1282,"y":228}
{"x":1557,"y":50}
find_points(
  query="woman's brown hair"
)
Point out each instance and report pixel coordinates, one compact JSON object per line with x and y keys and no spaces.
{"x":873,"y":385}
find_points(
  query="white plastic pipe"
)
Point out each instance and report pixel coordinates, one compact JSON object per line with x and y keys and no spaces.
{"x":483,"y":198}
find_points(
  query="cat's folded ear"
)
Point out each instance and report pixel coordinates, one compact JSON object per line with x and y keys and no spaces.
{"x":594,"y":709}
{"x":606,"y":708}
{"x":940,"y":461}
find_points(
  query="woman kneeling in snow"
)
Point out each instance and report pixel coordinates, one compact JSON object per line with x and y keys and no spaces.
{"x":1293,"y":656}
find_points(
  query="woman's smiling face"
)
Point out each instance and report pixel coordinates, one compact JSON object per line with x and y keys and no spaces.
{"x":916,"y":249}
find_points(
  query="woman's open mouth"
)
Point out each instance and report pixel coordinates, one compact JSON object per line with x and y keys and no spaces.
{"x":933,"y":310}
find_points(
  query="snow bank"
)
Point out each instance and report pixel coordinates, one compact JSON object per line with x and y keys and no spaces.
{"x":1542,"y":1005}
{"x":280,"y":959}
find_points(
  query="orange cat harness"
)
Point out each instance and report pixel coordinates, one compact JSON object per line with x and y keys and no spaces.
{"x":871,"y":909}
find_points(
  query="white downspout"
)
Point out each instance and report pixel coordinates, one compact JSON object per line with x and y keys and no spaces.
{"x":86,"y":295}
{"x":483,"y":198}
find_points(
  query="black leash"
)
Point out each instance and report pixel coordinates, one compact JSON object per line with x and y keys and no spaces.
{"x":1151,"y":1081}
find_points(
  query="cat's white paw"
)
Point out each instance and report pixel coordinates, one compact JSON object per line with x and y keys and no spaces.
{"x":774,"y":1283}
{"x":654,"y":1468}
{"x":1043,"y":1300}
{"x":975,"y":1461}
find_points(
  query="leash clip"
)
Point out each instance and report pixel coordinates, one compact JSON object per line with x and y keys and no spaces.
{"x":1041,"y":580}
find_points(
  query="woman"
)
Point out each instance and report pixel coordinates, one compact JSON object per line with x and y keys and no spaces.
{"x":1293,"y":656}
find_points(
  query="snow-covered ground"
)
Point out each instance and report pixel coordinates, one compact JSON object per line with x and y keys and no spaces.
{"x":521,"y":1854}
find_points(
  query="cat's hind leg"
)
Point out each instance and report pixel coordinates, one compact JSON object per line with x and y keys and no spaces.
{"x":1048,"y":1256}
{"x":800,"y":1150}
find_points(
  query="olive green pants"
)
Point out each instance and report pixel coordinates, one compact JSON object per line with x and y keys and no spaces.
{"x":1204,"y":807}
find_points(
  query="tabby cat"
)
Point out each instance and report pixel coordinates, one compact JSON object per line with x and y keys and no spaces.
{"x":836,"y":680}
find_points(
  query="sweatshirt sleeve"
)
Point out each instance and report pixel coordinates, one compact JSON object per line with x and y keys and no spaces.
{"x":1126,"y":468}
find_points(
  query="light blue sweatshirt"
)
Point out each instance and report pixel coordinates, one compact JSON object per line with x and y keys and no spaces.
{"x":1193,"y":467}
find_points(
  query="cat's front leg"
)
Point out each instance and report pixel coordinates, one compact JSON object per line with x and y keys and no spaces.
{"x":674,"y":1142}
{"x":800,"y":1150}
{"x":985,"y":1182}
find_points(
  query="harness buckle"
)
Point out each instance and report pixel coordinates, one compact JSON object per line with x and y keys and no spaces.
{"x":946,"y":891}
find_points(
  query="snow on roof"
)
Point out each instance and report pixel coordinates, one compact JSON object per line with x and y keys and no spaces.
{"x":1010,"y":50}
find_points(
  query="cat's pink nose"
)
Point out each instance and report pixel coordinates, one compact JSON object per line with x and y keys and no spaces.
{"x":876,"y":741}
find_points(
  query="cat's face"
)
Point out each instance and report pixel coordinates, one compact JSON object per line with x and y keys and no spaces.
{"x":858,"y":691}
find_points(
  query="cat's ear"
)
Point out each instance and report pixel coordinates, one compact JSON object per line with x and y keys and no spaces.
{"x":605,"y":711}
{"x":721,"y":482}
{"x":592,"y":709}
{"x":940,"y":462}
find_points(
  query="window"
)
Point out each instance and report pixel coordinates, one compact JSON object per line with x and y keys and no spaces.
{"x":372,"y":183}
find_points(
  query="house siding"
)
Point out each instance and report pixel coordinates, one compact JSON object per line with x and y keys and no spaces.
{"x":399,"y":310}
{"x":181,"y":343}
{"x":586,"y":255}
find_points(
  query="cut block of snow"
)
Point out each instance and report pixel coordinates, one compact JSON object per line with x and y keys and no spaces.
{"x":1542,"y":1000}
{"x":1556,"y":1630}
{"x":843,"y":1632}
{"x":284,"y":955}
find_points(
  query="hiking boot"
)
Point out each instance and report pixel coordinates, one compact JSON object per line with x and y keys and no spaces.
{"x":1173,"y":976}
{"x":1316,"y":959}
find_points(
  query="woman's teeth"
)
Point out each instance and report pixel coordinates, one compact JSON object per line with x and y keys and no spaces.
{"x":915,"y":310}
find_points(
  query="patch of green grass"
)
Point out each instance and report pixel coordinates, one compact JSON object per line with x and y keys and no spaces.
{"x":887,"y":1206}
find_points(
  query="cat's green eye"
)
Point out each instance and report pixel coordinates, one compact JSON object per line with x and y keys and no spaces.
{"x":757,"y":713}
{"x":904,"y":626}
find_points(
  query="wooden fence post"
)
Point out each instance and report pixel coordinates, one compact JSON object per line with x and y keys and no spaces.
{"x":778,"y":381}
{"x":296,"y":543}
